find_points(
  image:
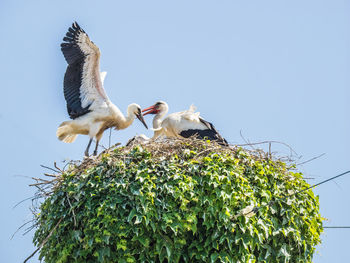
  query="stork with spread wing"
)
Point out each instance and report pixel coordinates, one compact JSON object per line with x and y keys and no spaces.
{"x":88,"y":105}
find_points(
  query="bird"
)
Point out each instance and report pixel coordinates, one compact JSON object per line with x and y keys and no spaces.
{"x":88,"y":105}
{"x":182,"y":124}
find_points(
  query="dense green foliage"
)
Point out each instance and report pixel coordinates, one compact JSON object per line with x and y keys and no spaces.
{"x":131,"y":206}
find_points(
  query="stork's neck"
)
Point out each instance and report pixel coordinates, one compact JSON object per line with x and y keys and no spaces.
{"x":157,"y":120}
{"x":129,"y":119}
{"x":119,"y":120}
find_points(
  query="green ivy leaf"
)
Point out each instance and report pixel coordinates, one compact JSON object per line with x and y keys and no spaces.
{"x":137,"y":205}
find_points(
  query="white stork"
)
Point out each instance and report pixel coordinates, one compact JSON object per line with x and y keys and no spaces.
{"x":181,"y":124}
{"x":87,"y":102}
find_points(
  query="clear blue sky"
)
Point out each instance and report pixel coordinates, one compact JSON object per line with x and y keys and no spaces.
{"x":277,"y":70}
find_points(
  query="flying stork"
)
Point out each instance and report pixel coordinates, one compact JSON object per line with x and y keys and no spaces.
{"x":88,"y":105}
{"x":181,"y":124}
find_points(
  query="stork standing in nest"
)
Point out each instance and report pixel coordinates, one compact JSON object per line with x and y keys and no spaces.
{"x":182,"y":124}
{"x":88,"y":106}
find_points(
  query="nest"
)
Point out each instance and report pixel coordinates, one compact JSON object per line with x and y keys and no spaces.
{"x":162,"y":149}
{"x":165,"y":149}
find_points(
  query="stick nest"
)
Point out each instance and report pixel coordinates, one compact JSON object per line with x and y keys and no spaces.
{"x":160,"y":150}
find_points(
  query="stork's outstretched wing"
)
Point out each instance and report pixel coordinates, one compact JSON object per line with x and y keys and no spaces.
{"x":83,"y":88}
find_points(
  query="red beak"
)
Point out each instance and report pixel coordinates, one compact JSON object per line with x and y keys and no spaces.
{"x":150,"y":110}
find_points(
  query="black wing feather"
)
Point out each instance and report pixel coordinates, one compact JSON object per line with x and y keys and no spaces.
{"x":73,"y":76}
{"x":210,"y":133}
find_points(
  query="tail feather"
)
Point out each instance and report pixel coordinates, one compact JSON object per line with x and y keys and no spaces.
{"x":64,"y":133}
{"x":70,"y":138}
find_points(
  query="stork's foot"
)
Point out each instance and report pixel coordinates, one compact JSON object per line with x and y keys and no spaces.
{"x":86,"y":154}
{"x":95,"y":153}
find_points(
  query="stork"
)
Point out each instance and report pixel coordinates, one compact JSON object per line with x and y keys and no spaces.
{"x":181,"y":124}
{"x":88,"y":105}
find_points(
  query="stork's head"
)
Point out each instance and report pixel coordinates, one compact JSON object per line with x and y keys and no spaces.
{"x":159,"y":107}
{"x":135,"y":110}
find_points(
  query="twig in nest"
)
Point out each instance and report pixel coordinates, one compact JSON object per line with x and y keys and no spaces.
{"x":42,"y":180}
{"x":208,"y":150}
{"x":26,"y":223}
{"x":20,"y":175}
{"x":50,"y":175}
{"x":46,"y":167}
{"x":314,"y":158}
{"x":246,"y":141}
{"x":36,"y":184}
{"x":45,"y":240}
{"x":57,"y":167}
{"x":20,"y":202}
{"x":265,"y":142}
{"x":27,"y":230}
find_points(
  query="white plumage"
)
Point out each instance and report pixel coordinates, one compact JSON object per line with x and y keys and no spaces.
{"x":87,"y":102}
{"x":181,"y":124}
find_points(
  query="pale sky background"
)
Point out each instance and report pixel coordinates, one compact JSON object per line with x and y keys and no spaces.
{"x":275,"y":70}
